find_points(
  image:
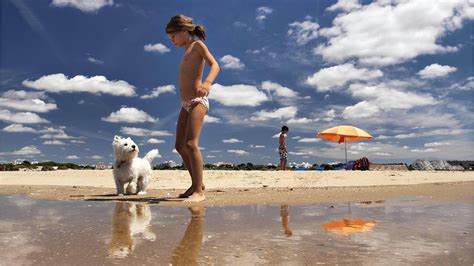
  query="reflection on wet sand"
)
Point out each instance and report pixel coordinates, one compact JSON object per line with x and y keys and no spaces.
{"x":285,"y":219}
{"x":130,"y":221}
{"x":187,"y":251}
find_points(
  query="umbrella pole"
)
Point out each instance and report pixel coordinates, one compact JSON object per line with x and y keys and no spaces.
{"x":345,"y":149}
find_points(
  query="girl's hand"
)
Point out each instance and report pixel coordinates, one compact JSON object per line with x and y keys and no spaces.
{"x":203,"y":89}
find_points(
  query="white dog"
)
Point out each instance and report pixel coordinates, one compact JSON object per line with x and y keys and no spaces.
{"x":129,"y":169}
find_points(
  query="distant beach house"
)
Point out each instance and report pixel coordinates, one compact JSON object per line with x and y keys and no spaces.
{"x":101,"y":166}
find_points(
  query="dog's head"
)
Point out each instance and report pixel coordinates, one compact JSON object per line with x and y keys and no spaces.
{"x":124,"y":149}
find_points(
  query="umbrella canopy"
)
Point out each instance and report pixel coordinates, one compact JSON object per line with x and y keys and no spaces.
{"x":349,"y":226}
{"x":344,"y":134}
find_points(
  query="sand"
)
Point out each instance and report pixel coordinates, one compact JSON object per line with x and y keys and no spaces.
{"x":247,"y":187}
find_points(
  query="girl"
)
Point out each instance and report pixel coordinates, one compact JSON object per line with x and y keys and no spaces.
{"x":282,"y":147}
{"x":193,"y":91}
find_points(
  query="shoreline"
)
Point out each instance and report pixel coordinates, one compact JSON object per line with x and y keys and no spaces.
{"x":234,"y":188}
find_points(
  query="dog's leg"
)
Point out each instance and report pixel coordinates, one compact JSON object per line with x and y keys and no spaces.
{"x":131,"y":188}
{"x":142,"y":184}
{"x":119,"y":187}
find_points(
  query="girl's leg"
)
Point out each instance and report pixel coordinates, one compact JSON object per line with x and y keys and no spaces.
{"x":180,"y":146}
{"x":193,"y":131}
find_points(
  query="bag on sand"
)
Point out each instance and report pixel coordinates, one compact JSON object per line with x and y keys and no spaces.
{"x":356,"y":165}
{"x":364,"y":164}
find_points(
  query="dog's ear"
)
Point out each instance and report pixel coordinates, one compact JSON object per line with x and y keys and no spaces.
{"x":117,"y":138}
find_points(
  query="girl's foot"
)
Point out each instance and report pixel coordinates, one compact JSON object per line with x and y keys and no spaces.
{"x":188,"y":192}
{"x":195,"y":197}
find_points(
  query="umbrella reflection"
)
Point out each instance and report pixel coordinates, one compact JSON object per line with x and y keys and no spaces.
{"x":129,"y":222}
{"x":285,"y":219}
{"x":348,"y":226}
{"x":187,"y":251}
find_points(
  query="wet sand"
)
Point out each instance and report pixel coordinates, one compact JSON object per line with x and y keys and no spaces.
{"x":403,"y":231}
{"x":246,"y":187}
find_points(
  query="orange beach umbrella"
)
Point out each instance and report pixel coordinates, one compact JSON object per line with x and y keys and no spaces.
{"x":344,"y":134}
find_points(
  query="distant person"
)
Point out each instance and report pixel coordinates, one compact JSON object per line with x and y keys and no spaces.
{"x":282,"y":148}
{"x":193,"y":91}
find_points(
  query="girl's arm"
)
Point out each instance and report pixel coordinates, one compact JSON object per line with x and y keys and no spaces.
{"x":214,"y":67}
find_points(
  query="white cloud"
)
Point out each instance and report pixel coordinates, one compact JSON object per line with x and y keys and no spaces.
{"x":231,"y":62}
{"x":435,"y":71}
{"x":53,"y":142}
{"x":155,"y":141}
{"x":27,"y":150}
{"x":59,"y":83}
{"x":302,"y":120}
{"x":129,"y":115}
{"x":237,"y":95}
{"x":296,"y":137}
{"x":88,"y":6}
{"x":345,"y":5}
{"x":72,"y":157}
{"x":309,"y":140}
{"x":335,"y":77}
{"x":232,"y":140}
{"x":174,"y":151}
{"x":17,"y":128}
{"x":94,"y":61}
{"x":238,"y":152}
{"x":21,"y":117}
{"x":211,"y":119}
{"x":436,"y":144}
{"x":391,"y":32}
{"x":281,"y":113}
{"x":157,"y":47}
{"x":262,"y":13}
{"x":465,"y":85}
{"x":141,"y":132}
{"x":210,"y":156}
{"x":424,"y":150}
{"x":155,"y":92}
{"x":96,"y":157}
{"x":283,"y":95}
{"x":303,"y":32}
{"x":26,"y":101}
{"x":362,"y":109}
{"x":257,"y":146}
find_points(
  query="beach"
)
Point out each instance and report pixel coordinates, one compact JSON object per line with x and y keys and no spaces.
{"x":246,"y":187}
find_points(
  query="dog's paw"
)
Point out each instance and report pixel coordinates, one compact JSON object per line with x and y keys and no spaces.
{"x":141,"y":193}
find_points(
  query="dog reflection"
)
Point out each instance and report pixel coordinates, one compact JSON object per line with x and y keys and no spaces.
{"x":187,"y":251}
{"x":285,"y":219}
{"x":130,"y":221}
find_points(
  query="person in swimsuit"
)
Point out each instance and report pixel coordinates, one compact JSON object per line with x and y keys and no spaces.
{"x":282,"y":148}
{"x":193,"y":91}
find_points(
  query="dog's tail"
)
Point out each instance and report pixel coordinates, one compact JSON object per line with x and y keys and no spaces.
{"x":151,"y":155}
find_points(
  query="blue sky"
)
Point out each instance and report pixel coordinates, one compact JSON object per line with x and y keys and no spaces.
{"x":75,"y":73}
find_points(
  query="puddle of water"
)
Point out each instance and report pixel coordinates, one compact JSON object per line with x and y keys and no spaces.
{"x":402,"y":231}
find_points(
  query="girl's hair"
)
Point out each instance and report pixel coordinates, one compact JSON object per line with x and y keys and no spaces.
{"x":284,"y":128}
{"x":182,"y":22}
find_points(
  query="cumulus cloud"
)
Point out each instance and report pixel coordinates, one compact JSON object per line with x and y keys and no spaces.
{"x":72,"y":157}
{"x":333,"y":78}
{"x":96,"y":157}
{"x":94,"y":61}
{"x":436,"y":144}
{"x":262,"y":13}
{"x":53,"y":142}
{"x":211,"y":119}
{"x":129,"y":115}
{"x":283,"y":95}
{"x":232,"y":140}
{"x":141,"y":132}
{"x":238,"y":152}
{"x":21,"y":117}
{"x":26,"y":101}
{"x":309,"y":140}
{"x":304,"y":31}
{"x":27,"y":150}
{"x":59,"y":83}
{"x":237,"y":95}
{"x":345,"y":5}
{"x":155,"y":141}
{"x":155,"y":92}
{"x":468,"y":84}
{"x":231,"y":62}
{"x":281,"y":113}
{"x":435,"y":71}
{"x":157,"y":48}
{"x":88,"y":6}
{"x":370,"y":32}
{"x":17,"y":128}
